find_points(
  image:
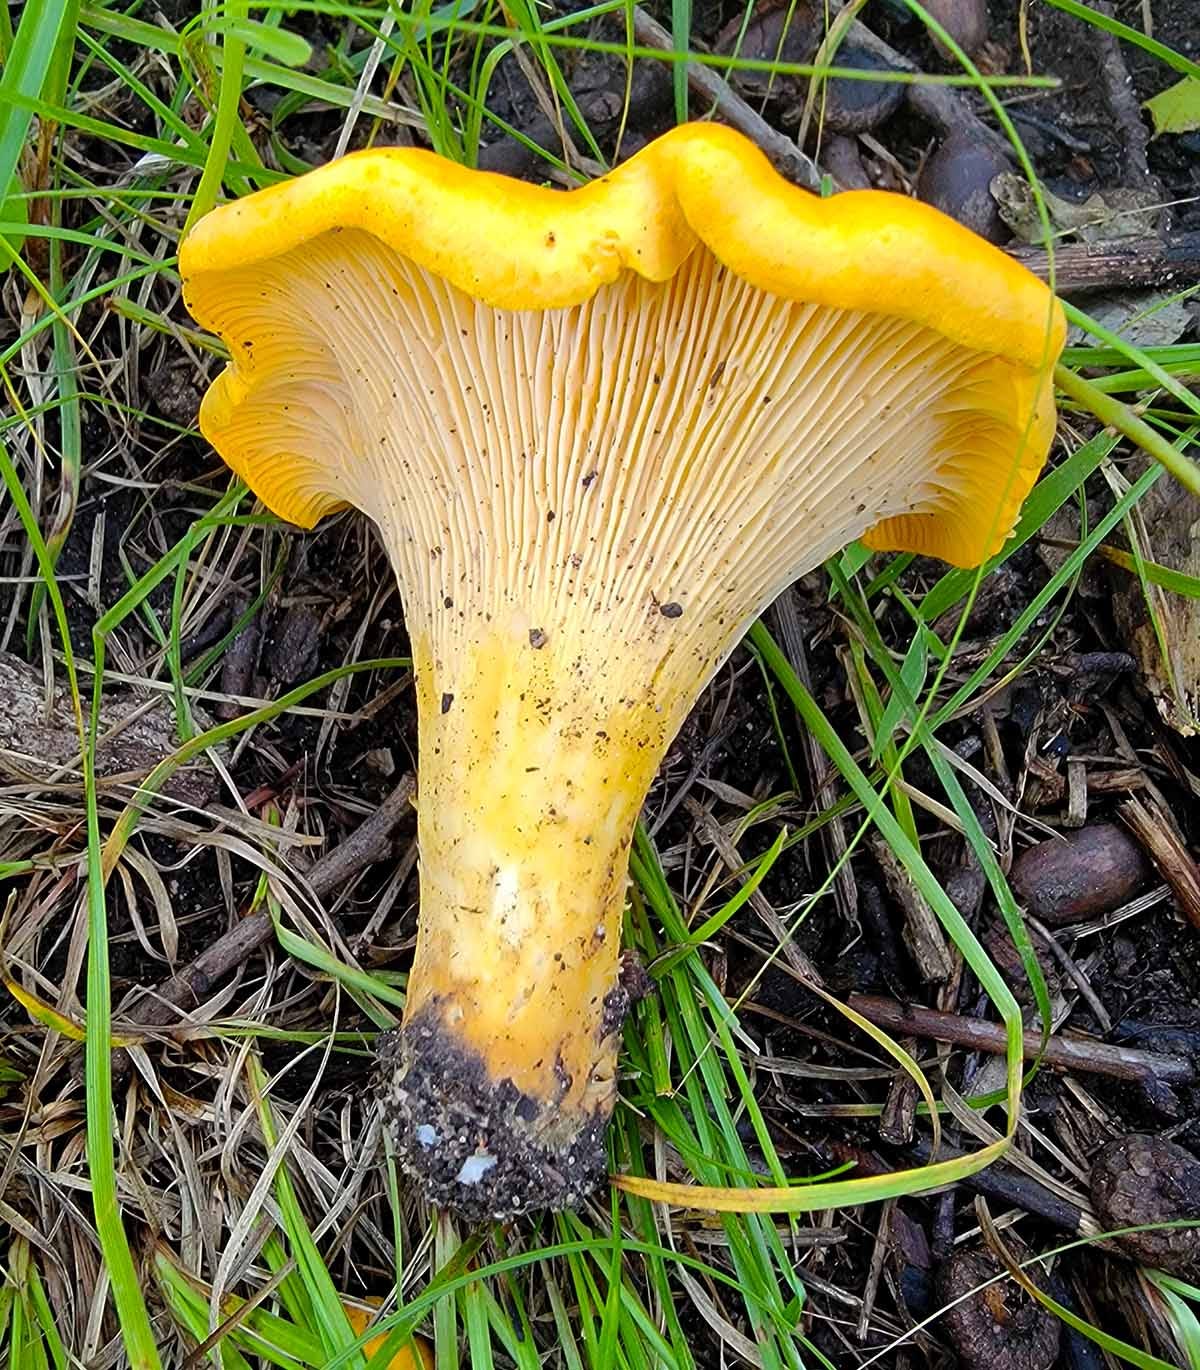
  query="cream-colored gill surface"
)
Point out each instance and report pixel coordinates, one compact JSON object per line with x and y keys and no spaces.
{"x":686,"y":447}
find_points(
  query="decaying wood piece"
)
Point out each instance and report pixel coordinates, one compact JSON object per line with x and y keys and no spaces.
{"x":39,"y":742}
{"x":1172,"y":517}
{"x":1122,"y":264}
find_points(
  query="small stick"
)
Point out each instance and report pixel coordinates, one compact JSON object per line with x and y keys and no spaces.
{"x":1009,"y":1186}
{"x":943,"y":106}
{"x":1062,"y":1053}
{"x":1074,"y":970}
{"x":1123,"y":101}
{"x":883,"y":1237}
{"x":191,"y":985}
{"x":710,"y":85}
{"x":897,"y":1122}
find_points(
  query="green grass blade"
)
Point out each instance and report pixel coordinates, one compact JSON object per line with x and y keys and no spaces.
{"x":45,"y":31}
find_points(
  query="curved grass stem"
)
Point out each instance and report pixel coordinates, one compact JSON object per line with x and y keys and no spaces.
{"x":1114,"y":414}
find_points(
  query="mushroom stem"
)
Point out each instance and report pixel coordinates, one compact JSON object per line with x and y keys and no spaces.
{"x":532,"y":774}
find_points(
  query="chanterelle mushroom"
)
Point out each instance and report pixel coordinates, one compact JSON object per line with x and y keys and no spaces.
{"x":598,"y":431}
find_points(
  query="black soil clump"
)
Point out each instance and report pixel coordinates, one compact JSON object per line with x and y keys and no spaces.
{"x":476,"y":1145}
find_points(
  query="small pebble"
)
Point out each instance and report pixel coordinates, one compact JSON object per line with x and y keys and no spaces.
{"x":957,"y":180}
{"x":1081,"y":875}
{"x":1144,"y":1179}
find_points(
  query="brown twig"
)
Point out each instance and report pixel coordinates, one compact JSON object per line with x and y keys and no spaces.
{"x":997,"y":1181}
{"x":1009,"y":1186}
{"x":1122,"y":100}
{"x":1062,"y":1053}
{"x":713,"y":87}
{"x":897,"y":1122}
{"x":923,"y":934}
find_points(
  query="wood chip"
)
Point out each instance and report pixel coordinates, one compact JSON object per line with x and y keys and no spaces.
{"x":923,"y":934}
{"x":1175,"y":863}
{"x":1077,"y":794}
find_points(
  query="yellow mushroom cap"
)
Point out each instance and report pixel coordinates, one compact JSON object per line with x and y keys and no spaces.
{"x":517,"y":246}
{"x":598,"y":430}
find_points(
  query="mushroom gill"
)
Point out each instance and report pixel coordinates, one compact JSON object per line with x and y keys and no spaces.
{"x":598,"y":432}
